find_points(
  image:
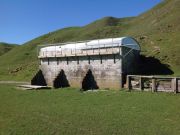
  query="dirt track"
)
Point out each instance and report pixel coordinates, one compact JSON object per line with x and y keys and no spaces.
{"x":13,"y":82}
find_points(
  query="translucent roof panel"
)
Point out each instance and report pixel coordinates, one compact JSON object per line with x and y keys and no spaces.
{"x":109,"y":42}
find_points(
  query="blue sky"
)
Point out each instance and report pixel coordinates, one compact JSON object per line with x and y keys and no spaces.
{"x":23,"y":20}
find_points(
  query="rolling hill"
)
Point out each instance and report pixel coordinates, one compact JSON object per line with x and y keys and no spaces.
{"x":5,"y":47}
{"x":157,"y":30}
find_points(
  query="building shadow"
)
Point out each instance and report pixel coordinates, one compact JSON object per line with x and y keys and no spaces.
{"x":89,"y":83}
{"x":61,"y":80}
{"x":39,"y":79}
{"x":153,"y":66}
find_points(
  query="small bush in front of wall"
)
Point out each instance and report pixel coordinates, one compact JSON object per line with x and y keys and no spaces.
{"x":89,"y":83}
{"x":61,"y":80}
{"x":39,"y":79}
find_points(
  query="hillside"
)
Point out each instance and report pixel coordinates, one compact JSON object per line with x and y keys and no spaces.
{"x":157,"y":30}
{"x":5,"y":47}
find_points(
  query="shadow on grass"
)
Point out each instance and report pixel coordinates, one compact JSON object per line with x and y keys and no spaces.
{"x":153,"y":66}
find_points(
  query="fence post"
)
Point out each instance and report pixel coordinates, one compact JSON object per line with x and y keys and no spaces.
{"x":141,"y":83}
{"x":153,"y":85}
{"x":129,"y":83}
{"x":174,"y":85}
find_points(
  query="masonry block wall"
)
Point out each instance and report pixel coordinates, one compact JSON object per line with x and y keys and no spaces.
{"x":108,"y":70}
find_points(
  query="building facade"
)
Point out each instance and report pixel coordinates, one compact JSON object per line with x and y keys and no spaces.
{"x":101,"y":63}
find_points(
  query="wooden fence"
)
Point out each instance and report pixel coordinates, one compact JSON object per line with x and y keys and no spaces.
{"x":153,"y":83}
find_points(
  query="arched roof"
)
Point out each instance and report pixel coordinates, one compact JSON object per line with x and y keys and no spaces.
{"x":98,"y":43}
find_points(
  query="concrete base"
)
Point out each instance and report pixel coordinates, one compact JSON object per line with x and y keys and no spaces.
{"x":106,"y":72}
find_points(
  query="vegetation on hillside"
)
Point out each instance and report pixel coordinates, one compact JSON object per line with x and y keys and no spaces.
{"x":5,"y":47}
{"x":157,"y":30}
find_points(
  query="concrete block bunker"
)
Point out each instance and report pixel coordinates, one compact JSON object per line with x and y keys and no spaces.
{"x":101,"y":63}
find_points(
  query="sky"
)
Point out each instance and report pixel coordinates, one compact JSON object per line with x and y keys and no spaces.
{"x":23,"y":20}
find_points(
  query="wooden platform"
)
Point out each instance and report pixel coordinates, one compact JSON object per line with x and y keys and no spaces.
{"x":31,"y":87}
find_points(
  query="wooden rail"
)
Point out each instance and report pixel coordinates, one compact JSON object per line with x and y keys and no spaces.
{"x":153,"y":83}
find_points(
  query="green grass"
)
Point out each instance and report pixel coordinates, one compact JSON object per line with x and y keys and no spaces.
{"x":69,"y":111}
{"x":5,"y":47}
{"x":160,"y":27}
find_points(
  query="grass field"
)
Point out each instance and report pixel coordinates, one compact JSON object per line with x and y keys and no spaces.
{"x":71,"y":112}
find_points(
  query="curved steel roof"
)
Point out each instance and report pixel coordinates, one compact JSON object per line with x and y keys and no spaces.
{"x":99,"y":43}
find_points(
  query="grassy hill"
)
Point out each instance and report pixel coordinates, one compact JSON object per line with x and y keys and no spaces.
{"x":5,"y":47}
{"x":157,"y":30}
